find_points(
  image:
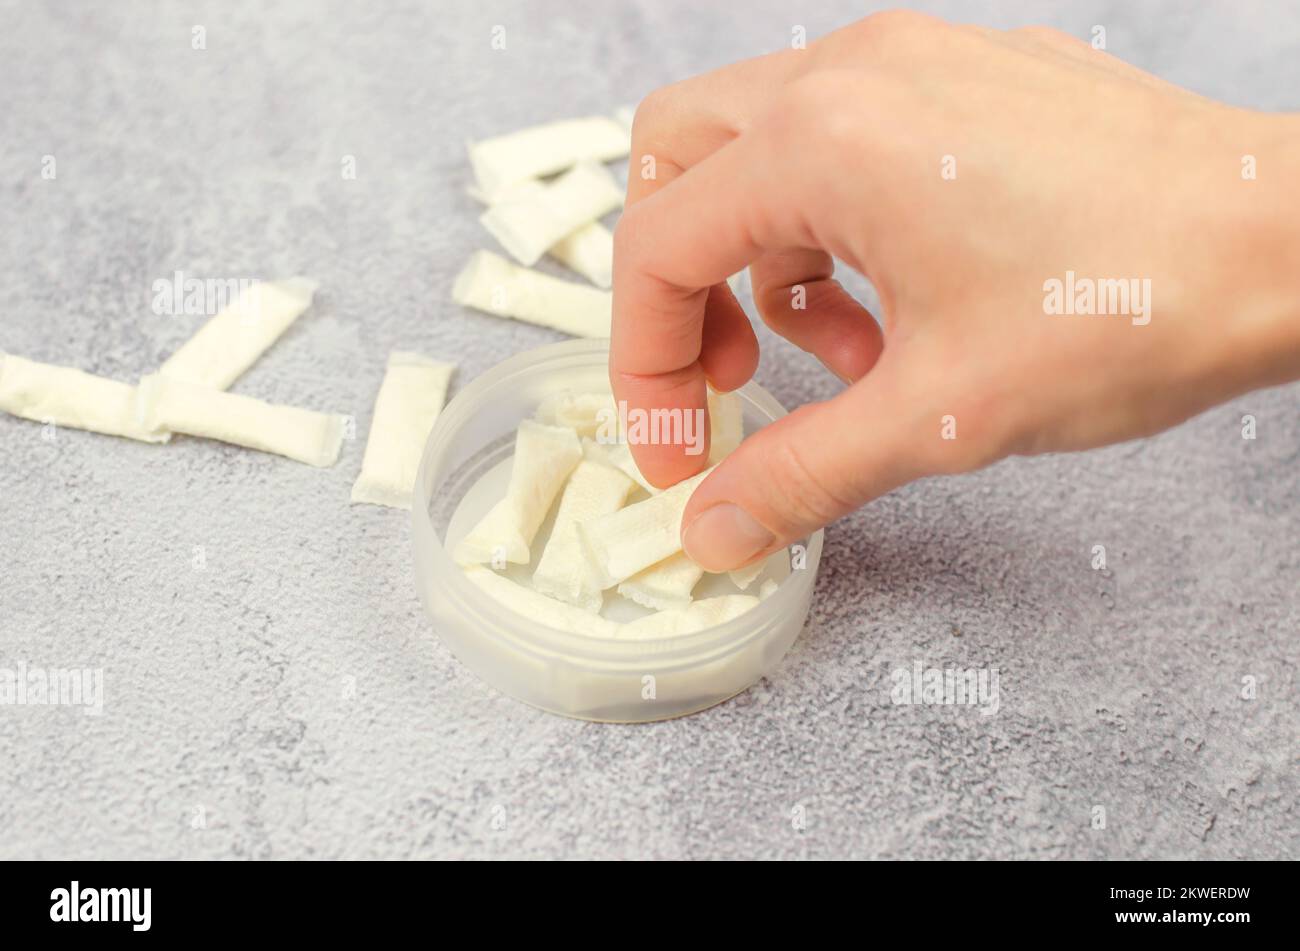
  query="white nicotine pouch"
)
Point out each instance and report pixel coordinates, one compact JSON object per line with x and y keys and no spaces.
{"x":619,"y":455}
{"x":695,"y":617}
{"x":726,"y":425}
{"x":299,"y":434}
{"x":543,"y":150}
{"x":530,"y":221}
{"x":640,"y":535}
{"x":538,"y":607}
{"x":494,"y":285}
{"x":584,"y":413}
{"x":544,"y":457}
{"x":68,"y":397}
{"x":588,"y":249}
{"x":664,"y":586}
{"x":565,"y":571}
{"x":410,"y":399}
{"x":231,"y":342}
{"x":742,"y":578}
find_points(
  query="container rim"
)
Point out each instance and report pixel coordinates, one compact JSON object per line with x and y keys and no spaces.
{"x":515,"y":632}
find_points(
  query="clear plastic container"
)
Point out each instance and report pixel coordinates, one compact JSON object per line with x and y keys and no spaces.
{"x":572,"y":674}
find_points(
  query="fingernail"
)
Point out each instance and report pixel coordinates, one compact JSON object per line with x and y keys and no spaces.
{"x":725,"y":537}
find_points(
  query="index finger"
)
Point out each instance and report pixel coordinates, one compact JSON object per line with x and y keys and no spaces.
{"x":669,"y":249}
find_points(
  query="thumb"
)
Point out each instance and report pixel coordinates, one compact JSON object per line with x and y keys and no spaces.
{"x":804,"y":471}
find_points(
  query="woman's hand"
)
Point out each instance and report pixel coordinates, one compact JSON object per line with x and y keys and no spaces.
{"x":963,"y":171}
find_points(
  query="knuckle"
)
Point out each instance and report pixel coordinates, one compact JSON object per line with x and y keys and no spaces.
{"x":1045,"y":34}
{"x":839,"y":128}
{"x":898,"y":39}
{"x":623,"y":230}
{"x":893,"y":25}
{"x":628,"y":232}
{"x":824,"y":114}
{"x":653,"y":114}
{"x":771,"y":296}
{"x":773,"y":305}
{"x":650,"y":109}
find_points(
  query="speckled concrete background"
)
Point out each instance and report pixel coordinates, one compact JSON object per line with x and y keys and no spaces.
{"x":289,"y":699}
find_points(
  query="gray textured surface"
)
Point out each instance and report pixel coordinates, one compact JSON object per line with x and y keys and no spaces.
{"x":226,"y":688}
